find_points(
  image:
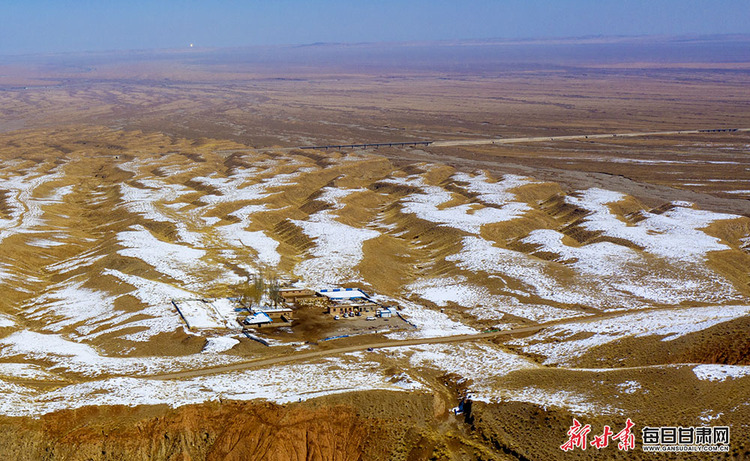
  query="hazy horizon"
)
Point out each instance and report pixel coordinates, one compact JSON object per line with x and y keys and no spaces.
{"x":45,"y":26}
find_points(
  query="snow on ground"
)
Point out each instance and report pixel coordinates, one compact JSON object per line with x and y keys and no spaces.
{"x":194,"y":239}
{"x":478,"y":362}
{"x":333,"y":195}
{"x":237,"y":235}
{"x":25,"y":371}
{"x":73,"y":305}
{"x":156,"y":297}
{"x":338,"y":249}
{"x":6,"y":321}
{"x":673,"y":234}
{"x":66,"y":355}
{"x":622,"y":269}
{"x":219,"y":344}
{"x":214,"y":313}
{"x":481,"y":303}
{"x":239,"y":186}
{"x":479,"y":255}
{"x":629,"y":387}
{"x":466,"y":217}
{"x":176,"y":261}
{"x":721,"y":372}
{"x":135,"y":165}
{"x":575,"y":403}
{"x":281,"y":384}
{"x":444,"y":290}
{"x":142,"y":201}
{"x":554,"y":344}
{"x":45,"y":243}
{"x":429,"y":323}
{"x":612,"y":276}
{"x":24,"y":210}
{"x":91,"y":313}
{"x":483,"y":365}
{"x":80,"y":260}
{"x":235,"y":187}
{"x":264,"y":246}
{"x":172,"y":170}
{"x":225,"y":307}
{"x":497,"y":193}
{"x":599,"y":259}
{"x":199,"y":314}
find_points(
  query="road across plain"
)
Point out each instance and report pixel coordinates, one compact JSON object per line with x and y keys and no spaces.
{"x":341,"y":350}
{"x":295,"y":357}
{"x":489,"y":141}
{"x":479,"y":142}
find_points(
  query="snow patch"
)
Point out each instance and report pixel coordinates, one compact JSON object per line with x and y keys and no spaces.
{"x":338,"y":249}
{"x":553,"y":341}
{"x":720,"y":372}
{"x":219,"y":344}
{"x":177,"y":261}
{"x":673,"y":234}
{"x":429,"y":323}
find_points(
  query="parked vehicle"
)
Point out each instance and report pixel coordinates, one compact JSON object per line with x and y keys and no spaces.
{"x":370,"y":318}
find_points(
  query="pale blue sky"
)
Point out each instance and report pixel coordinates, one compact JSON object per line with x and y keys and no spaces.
{"x":34,"y":26}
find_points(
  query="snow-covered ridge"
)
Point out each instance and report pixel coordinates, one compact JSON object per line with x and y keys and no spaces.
{"x":554,"y":344}
{"x":497,"y":193}
{"x":673,"y":234}
{"x":338,"y":249}
{"x":481,"y":303}
{"x":467,"y":217}
{"x":281,"y":384}
{"x":176,"y":261}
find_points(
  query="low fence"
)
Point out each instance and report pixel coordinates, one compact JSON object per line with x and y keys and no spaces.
{"x":335,"y":337}
{"x":255,"y":338}
{"x":408,"y":322}
{"x":181,"y":315}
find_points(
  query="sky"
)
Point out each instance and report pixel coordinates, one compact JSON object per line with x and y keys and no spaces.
{"x":42,"y":26}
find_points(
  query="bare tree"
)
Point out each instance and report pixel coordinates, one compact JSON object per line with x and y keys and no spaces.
{"x":274,"y":291}
{"x":252,"y":290}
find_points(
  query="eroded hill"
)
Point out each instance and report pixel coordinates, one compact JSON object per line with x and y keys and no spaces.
{"x":101,"y":229}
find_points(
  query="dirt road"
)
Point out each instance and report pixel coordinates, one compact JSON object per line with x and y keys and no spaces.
{"x":478,"y":142}
{"x":294,"y":357}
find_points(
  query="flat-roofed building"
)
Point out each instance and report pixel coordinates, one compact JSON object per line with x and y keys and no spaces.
{"x":344,"y":308}
{"x":258,"y":319}
{"x":282,"y":313}
{"x":292,"y":295}
{"x":343,"y":293}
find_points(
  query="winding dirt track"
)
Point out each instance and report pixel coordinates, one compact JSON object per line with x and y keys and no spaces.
{"x":295,"y":357}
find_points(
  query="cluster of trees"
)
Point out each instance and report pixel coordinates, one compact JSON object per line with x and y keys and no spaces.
{"x":252,"y":292}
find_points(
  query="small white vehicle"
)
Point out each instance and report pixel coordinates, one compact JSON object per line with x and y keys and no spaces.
{"x":370,"y":318}
{"x":336,"y":317}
